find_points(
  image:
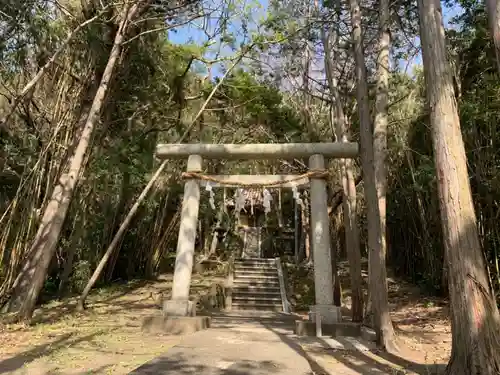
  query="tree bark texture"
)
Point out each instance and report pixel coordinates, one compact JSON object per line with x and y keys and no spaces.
{"x":306,"y":230}
{"x":493,"y":10}
{"x":380,"y":122}
{"x":348,"y":183}
{"x":377,"y":270}
{"x":380,"y":141}
{"x":335,"y":229}
{"x":474,"y":314}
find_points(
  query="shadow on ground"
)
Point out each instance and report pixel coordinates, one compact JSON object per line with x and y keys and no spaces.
{"x":186,"y":359}
{"x":17,"y":362}
{"x":181,"y":365}
{"x":364,"y":363}
{"x":52,"y":311}
{"x":368,"y":363}
{"x":321,"y":361}
{"x":111,"y":297}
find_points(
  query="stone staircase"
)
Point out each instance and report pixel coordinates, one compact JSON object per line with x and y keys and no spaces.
{"x":256,"y":285}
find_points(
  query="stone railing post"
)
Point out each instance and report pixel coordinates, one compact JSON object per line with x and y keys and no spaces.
{"x":284,"y":298}
{"x":229,"y":284}
{"x":180,"y":305}
{"x":323,"y":275}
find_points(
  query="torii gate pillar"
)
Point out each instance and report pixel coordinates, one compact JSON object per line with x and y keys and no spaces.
{"x":323,"y":273}
{"x":180,"y":305}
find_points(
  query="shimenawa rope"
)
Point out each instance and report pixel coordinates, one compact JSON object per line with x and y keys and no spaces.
{"x":313,"y":173}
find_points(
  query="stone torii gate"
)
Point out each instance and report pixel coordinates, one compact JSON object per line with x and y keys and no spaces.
{"x":179,"y":304}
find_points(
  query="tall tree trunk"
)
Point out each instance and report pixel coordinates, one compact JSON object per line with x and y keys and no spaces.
{"x":306,"y":67}
{"x":215,"y":234}
{"x":377,"y":271}
{"x":306,"y":230}
{"x":493,"y":10}
{"x":296,"y":235}
{"x":335,"y":226}
{"x":351,"y":232}
{"x":353,"y":247}
{"x":30,"y":280}
{"x":380,"y":141}
{"x":380,"y":122}
{"x":474,"y":314}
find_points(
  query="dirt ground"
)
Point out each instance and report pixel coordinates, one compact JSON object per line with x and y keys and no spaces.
{"x":107,"y":337}
{"x":424,"y":340}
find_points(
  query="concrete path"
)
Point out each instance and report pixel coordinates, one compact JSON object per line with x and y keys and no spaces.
{"x":249,"y":343}
{"x":236,"y":344}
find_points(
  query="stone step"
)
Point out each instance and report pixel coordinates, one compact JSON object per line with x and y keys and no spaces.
{"x":255,"y":261}
{"x":258,"y":282}
{"x":253,"y":288}
{"x":253,"y":268}
{"x":262,"y":292}
{"x":256,"y":285}
{"x":267,"y":292}
{"x":256,"y":276}
{"x":256,"y":272}
{"x":255,"y":299}
{"x":260,"y":306}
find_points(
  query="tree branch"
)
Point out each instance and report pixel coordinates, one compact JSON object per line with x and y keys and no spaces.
{"x":31,"y":84}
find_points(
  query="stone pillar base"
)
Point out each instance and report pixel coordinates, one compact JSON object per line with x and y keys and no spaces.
{"x":175,"y":325}
{"x":330,"y":314}
{"x":173,"y":307}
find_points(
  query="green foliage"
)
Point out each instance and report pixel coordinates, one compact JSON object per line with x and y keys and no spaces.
{"x":301,"y":285}
{"x":82,"y":272}
{"x":23,"y":31}
{"x":262,"y":105}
